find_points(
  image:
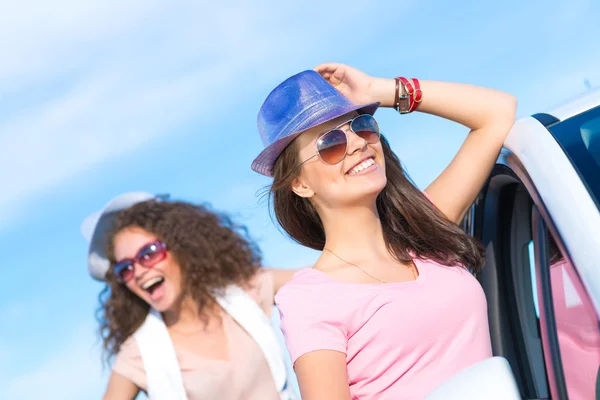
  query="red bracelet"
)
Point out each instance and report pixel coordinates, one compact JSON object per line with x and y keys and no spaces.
{"x":413,"y":89}
{"x":418,"y":94}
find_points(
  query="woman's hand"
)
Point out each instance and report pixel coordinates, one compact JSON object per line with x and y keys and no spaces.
{"x":359,"y":87}
{"x":488,"y":113}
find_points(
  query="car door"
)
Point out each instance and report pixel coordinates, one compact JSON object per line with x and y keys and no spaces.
{"x":501,"y":218}
{"x":539,"y":221}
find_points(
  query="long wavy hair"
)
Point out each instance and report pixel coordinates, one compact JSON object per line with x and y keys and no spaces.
{"x":210,"y":249}
{"x":412,"y":225}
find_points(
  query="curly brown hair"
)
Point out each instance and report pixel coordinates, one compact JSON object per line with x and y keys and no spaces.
{"x":210,"y":249}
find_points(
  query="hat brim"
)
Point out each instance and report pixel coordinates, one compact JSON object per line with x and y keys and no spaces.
{"x":96,"y":227}
{"x":263,"y":164}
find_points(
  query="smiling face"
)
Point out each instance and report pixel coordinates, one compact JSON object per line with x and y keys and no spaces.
{"x":357,"y":179}
{"x":159,"y":285}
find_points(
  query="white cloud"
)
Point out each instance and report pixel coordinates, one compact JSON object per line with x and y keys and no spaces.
{"x":106,"y":78}
{"x":41,"y":38}
{"x":111,"y":107}
{"x":102,"y":79}
{"x":95,"y":121}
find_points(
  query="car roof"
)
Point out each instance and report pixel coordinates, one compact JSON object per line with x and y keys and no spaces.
{"x":577,"y":105}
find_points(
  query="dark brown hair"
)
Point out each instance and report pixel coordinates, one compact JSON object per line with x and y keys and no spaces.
{"x":210,"y":249}
{"x":411,"y":223}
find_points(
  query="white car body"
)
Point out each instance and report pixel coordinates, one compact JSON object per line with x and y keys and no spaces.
{"x":544,"y":312}
{"x":560,"y":187}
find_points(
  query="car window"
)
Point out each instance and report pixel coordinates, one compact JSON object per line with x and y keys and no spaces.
{"x":534,"y":292}
{"x":579,"y":136}
{"x":577,"y":325}
{"x":590,"y":134}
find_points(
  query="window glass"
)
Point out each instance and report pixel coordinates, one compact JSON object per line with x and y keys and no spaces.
{"x":530,"y":252}
{"x":577,"y":326}
{"x":579,"y":136}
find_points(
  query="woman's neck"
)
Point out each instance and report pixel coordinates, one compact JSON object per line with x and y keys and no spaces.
{"x":355,"y":232}
{"x":183,"y":312}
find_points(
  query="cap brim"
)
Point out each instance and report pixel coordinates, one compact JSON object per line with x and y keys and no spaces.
{"x":96,"y":226}
{"x":263,"y":164}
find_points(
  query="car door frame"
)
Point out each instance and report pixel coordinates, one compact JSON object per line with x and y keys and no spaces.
{"x":523,"y":161}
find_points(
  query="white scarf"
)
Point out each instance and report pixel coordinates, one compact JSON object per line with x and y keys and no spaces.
{"x":163,"y":374}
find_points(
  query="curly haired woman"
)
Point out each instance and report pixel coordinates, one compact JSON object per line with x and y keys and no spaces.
{"x":175,"y":308}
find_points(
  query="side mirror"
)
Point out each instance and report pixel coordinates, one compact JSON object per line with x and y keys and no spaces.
{"x":490,"y":379}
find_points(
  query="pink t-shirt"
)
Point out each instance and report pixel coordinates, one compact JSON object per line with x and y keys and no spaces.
{"x":401,"y":340}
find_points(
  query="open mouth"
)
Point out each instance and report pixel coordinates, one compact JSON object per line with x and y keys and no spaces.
{"x":357,"y":169}
{"x":153,"y":284}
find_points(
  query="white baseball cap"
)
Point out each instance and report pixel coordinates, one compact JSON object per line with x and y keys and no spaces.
{"x":96,"y":226}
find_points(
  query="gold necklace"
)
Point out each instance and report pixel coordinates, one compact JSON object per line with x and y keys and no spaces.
{"x":365,"y":272}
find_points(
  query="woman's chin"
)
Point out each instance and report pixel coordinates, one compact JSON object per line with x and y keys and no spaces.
{"x":165,"y":304}
{"x":367,"y":197}
{"x":371,"y":187}
{"x":162,"y":309}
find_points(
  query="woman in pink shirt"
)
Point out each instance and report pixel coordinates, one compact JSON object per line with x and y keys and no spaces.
{"x":390,"y":310}
{"x":175,"y":258}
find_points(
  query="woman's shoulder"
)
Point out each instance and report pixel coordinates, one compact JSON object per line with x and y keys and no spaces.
{"x":129,"y":348}
{"x":314,"y":314}
{"x":260,"y":289}
{"x":307,"y":286}
{"x":129,"y":363}
{"x":308,"y":279}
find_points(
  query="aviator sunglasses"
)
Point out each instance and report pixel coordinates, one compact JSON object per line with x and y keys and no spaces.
{"x":332,"y":146}
{"x":148,"y":256}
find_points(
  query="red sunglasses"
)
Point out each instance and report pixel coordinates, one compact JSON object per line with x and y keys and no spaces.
{"x":148,"y":256}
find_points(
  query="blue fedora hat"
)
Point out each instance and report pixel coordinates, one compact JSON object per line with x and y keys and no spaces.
{"x":299,"y":103}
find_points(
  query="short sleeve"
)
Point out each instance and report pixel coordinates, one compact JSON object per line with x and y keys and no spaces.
{"x":128,"y":363}
{"x":306,"y":325}
{"x":428,"y":197}
{"x":261,"y":290}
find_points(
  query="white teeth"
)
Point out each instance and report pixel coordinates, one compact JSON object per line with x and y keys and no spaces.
{"x":151,"y":282}
{"x":363,"y":165}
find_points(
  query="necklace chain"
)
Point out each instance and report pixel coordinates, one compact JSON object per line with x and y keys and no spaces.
{"x":362,"y":270}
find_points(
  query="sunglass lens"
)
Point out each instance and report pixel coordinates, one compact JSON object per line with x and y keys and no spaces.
{"x":366,"y":127}
{"x":332,"y":146}
{"x":151,"y":254}
{"x":124,"y":271}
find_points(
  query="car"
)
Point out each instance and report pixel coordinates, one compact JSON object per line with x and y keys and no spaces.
{"x":538,"y":217}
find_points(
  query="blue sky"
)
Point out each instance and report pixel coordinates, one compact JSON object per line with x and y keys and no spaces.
{"x":99,"y":98}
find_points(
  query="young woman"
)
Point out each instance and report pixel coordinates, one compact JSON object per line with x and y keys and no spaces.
{"x":168,"y":267}
{"x":391,"y":309}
